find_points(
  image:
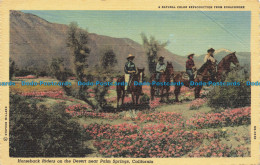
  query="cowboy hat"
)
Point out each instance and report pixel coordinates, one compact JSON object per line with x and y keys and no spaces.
{"x":130,"y":56}
{"x":160,"y":58}
{"x":191,"y":55}
{"x":211,"y":50}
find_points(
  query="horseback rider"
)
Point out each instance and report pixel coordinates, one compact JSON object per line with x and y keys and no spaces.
{"x":210,"y":58}
{"x":129,"y":70}
{"x":160,"y":68}
{"x":190,"y":67}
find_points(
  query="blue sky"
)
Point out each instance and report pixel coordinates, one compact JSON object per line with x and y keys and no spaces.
{"x":186,"y":31}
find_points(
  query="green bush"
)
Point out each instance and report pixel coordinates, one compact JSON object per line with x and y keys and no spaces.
{"x":145,"y":99}
{"x":232,"y":96}
{"x":36,"y":131}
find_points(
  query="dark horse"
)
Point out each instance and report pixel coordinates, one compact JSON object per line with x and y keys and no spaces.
{"x":164,"y":78}
{"x":202,"y":75}
{"x":135,"y":90}
{"x":223,"y":67}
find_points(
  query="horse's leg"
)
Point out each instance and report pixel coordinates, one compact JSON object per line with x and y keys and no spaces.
{"x":197,"y":91}
{"x":133,"y":97}
{"x":118,"y":91}
{"x":167,"y":92}
{"x":123,"y":96}
{"x":152,"y":91}
{"x":137,"y":98}
{"x":177,"y":92}
{"x":162,"y":88}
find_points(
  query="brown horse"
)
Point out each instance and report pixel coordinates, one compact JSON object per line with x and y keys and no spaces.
{"x":164,"y":78}
{"x":135,"y":90}
{"x":223,"y":67}
{"x":202,"y":76}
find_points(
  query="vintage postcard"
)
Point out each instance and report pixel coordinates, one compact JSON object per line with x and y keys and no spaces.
{"x":129,"y":82}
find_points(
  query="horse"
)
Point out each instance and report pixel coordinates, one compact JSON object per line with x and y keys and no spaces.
{"x":135,"y":90}
{"x":165,"y":77}
{"x":223,"y":67}
{"x":202,"y":75}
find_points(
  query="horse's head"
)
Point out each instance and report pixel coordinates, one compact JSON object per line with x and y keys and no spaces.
{"x":233,"y":59}
{"x":169,"y":68}
{"x":140,"y":74}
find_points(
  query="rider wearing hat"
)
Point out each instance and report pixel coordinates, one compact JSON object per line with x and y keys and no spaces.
{"x":129,"y":69}
{"x":160,"y":68}
{"x":210,"y":57}
{"x":190,"y":66}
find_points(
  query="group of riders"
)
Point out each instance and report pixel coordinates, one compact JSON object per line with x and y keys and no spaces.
{"x":130,"y":68}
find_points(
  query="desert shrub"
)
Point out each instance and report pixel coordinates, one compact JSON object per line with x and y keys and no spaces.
{"x":38,"y":131}
{"x":232,"y":96}
{"x":196,"y":104}
{"x":108,"y":59}
{"x":145,"y":99}
{"x":12,"y":68}
{"x":152,"y":48}
{"x":24,"y":72}
{"x":58,"y":70}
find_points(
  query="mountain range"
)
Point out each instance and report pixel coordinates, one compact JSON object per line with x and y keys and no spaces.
{"x":35,"y":41}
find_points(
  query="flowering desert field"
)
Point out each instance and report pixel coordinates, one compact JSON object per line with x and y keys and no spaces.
{"x":189,"y":128}
{"x":87,"y":46}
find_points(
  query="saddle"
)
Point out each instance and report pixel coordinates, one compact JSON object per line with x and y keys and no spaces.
{"x":185,"y":75}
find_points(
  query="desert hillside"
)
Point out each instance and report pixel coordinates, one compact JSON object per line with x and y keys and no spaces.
{"x":35,"y":41}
